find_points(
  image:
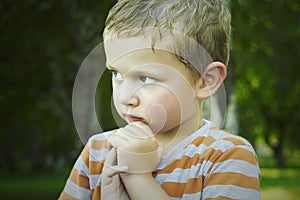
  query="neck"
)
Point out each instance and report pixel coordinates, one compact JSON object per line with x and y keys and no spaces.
{"x":172,"y":137}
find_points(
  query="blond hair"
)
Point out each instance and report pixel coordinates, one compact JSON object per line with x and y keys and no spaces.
{"x":206,"y":21}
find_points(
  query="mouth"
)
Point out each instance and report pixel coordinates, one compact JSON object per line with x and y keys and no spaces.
{"x":133,"y":118}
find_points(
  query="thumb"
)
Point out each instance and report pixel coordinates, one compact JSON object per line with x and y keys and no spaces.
{"x":111,"y":158}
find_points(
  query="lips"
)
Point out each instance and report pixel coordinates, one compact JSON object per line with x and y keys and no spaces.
{"x":133,"y":118}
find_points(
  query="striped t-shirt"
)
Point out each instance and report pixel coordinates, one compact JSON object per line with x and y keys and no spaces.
{"x":208,"y":164}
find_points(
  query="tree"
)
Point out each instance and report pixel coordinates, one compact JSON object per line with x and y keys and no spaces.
{"x":265,"y":48}
{"x":42,"y":47}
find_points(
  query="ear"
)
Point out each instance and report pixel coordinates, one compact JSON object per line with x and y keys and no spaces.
{"x":211,"y":79}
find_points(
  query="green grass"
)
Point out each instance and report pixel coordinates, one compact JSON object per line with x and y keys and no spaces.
{"x":275,"y":184}
{"x":280,"y":183}
{"x":31,"y":186}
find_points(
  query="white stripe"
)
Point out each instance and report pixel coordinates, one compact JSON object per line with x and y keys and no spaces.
{"x":230,"y":191}
{"x":99,"y":137}
{"x":178,"y":175}
{"x":249,"y":148}
{"x":94,"y":181}
{"x":192,"y":196}
{"x":192,"y":150}
{"x":81,"y":167}
{"x":177,"y":151}
{"x":183,"y":175}
{"x":102,"y":136}
{"x":98,"y":155}
{"x":237,"y":166}
{"x":222,"y":145}
{"x":77,"y":192}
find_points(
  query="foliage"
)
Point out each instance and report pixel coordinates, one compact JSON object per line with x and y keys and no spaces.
{"x":280,"y":183}
{"x":42,"y":46}
{"x":44,"y":42}
{"x":265,"y":57}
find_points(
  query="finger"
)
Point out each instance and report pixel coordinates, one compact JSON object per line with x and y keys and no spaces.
{"x":132,"y":131}
{"x":113,"y":170}
{"x":144,"y":128}
{"x":118,"y":140}
{"x":111,"y":157}
{"x":138,"y":130}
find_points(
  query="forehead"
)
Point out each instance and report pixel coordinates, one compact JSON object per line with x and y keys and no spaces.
{"x":183,"y":46}
{"x":136,"y":53}
{"x":120,"y":46}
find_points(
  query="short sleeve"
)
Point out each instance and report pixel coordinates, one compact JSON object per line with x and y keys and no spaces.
{"x":77,"y":185}
{"x":234,"y":174}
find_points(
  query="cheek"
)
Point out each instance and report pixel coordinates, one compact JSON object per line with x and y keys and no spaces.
{"x":163,"y":110}
{"x":115,"y":100}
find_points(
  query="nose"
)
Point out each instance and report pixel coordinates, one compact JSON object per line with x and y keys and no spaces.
{"x":133,"y":101}
{"x":126,"y":95}
{"x":128,"y":99}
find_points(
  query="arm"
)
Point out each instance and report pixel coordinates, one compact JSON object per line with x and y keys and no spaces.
{"x":139,"y":150}
{"x":111,"y":185}
{"x":77,"y":185}
{"x":143,"y":186}
{"x":234,"y":175}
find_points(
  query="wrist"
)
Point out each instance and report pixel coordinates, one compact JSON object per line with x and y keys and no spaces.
{"x":136,"y":176}
{"x":139,"y":163}
{"x":139,"y":185}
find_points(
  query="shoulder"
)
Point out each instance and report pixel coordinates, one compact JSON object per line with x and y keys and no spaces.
{"x":226,"y":140}
{"x":99,"y":141}
{"x":96,"y":148}
{"x":232,"y":165}
{"x":219,"y":145}
{"x":233,"y":147}
{"x":223,"y":140}
{"x":228,"y":151}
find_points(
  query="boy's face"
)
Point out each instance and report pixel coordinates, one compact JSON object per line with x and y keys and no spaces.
{"x":151,"y":86}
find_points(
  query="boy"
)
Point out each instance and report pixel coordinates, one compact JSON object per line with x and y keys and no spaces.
{"x":161,"y":75}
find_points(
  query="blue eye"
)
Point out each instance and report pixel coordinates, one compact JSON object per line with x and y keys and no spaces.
{"x":116,"y":75}
{"x":146,"y":79}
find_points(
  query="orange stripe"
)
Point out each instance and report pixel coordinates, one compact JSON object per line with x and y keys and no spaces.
{"x":236,"y":154}
{"x":235,"y":141}
{"x":85,"y":155}
{"x":78,"y":179}
{"x":186,"y":162}
{"x":96,"y":167}
{"x":174,"y":189}
{"x":203,"y":140}
{"x":99,"y":144}
{"x":183,"y":163}
{"x":239,"y":154}
{"x":194,"y":185}
{"x":230,"y":178}
{"x":65,"y":196}
{"x":211,"y":155}
{"x":96,"y":193}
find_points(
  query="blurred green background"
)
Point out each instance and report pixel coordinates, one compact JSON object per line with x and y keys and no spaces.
{"x":43,"y":44}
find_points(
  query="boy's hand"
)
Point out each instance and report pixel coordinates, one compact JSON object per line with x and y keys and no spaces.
{"x":137,"y":148}
{"x":111,"y":185}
